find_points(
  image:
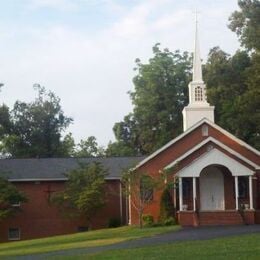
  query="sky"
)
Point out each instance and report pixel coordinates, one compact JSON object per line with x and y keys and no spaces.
{"x":85,"y":50}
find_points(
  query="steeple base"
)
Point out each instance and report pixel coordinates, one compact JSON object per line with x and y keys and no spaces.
{"x":193,"y":114}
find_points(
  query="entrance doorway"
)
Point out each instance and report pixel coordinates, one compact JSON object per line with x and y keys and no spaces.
{"x":212,"y":189}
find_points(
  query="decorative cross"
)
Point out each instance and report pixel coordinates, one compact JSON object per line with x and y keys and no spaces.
{"x":49,"y":191}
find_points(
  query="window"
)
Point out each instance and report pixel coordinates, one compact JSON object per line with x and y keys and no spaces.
{"x":242,"y":187}
{"x":146,"y":188}
{"x":186,"y":188}
{"x":16,"y":204}
{"x":198,"y":94}
{"x":82,"y":229}
{"x":14,"y":234}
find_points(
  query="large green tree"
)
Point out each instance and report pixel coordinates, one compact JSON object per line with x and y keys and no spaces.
{"x":246,"y":23}
{"x":84,"y":193}
{"x":233,"y":81}
{"x":35,"y":129}
{"x":158,"y":98}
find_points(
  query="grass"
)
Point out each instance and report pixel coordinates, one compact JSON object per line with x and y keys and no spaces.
{"x":238,"y":247}
{"x":80,"y":240}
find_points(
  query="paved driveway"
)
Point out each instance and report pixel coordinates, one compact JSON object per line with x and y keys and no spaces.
{"x":184,"y":234}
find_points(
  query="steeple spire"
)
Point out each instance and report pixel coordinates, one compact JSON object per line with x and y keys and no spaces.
{"x":198,"y":107}
{"x":197,"y":71}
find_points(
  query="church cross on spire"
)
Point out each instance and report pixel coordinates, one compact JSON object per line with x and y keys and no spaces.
{"x":197,"y":70}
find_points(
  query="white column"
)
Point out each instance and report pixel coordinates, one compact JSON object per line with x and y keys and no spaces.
{"x":250,"y":192}
{"x":194,"y":193}
{"x":236,"y":191}
{"x":180,"y":193}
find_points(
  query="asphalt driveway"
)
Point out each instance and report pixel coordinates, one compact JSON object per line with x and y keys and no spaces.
{"x":184,"y":234}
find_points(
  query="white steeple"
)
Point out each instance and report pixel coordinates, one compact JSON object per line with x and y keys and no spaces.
{"x":198,"y":107}
{"x":197,"y":72}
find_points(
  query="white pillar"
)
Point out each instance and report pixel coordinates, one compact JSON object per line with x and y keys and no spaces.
{"x":180,"y":193}
{"x":194,"y":193}
{"x":250,"y":192}
{"x":236,"y":191}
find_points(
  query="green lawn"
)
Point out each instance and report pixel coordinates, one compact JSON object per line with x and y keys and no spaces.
{"x":79,"y":240}
{"x":239,"y":247}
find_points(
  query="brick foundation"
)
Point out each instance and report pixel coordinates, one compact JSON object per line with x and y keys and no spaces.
{"x":188,"y":218}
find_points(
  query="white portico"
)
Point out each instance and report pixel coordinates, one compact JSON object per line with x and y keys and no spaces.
{"x":207,"y":170}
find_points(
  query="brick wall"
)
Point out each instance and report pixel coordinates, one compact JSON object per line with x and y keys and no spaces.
{"x":39,"y":218}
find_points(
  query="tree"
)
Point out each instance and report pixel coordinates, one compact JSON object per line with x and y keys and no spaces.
{"x":246,"y":23}
{"x":35,"y":129}
{"x":9,"y":195}
{"x":89,"y":148}
{"x":158,"y":99}
{"x":119,"y":148}
{"x":140,"y":187}
{"x":84,"y":193}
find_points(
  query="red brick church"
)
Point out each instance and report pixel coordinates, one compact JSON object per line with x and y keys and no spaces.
{"x":218,"y":174}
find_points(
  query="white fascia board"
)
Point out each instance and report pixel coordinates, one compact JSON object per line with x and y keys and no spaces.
{"x":53,"y":179}
{"x":225,"y":132}
{"x":169,"y":144}
{"x":37,"y":179}
{"x":211,"y":158}
{"x":238,"y":155}
{"x":204,"y":120}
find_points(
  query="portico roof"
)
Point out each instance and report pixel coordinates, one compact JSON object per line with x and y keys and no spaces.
{"x":214,"y":157}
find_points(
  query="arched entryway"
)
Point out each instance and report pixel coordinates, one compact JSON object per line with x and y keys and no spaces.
{"x":212,"y":195}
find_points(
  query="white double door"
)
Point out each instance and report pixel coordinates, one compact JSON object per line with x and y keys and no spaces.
{"x":211,"y":189}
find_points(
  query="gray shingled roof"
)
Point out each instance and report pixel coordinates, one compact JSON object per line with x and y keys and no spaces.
{"x":54,"y":168}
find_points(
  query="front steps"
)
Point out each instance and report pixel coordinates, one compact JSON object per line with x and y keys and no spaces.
{"x":207,"y":218}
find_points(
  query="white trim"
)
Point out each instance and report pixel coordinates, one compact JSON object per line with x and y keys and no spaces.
{"x":213,"y":157}
{"x":180,"y":194}
{"x":251,"y":193}
{"x":52,"y":179}
{"x":212,"y":139}
{"x":194,"y":193}
{"x":236,"y":191}
{"x":204,"y":120}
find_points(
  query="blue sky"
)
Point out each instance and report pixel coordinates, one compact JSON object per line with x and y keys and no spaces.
{"x":84,"y":50}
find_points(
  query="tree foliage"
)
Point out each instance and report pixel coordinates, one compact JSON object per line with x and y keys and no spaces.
{"x":158,"y":98}
{"x":140,"y":187}
{"x":34,"y":129}
{"x":89,"y":148}
{"x":9,"y":195}
{"x":84,"y":193}
{"x":246,"y":23}
{"x":228,"y":89}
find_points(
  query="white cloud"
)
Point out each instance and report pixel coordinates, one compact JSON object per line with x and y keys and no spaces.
{"x":61,"y":5}
{"x":92,"y":72}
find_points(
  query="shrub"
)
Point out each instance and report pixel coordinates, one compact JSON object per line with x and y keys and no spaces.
{"x":148,"y":220}
{"x":114,"y":222}
{"x":166,"y":206}
{"x":169,"y":221}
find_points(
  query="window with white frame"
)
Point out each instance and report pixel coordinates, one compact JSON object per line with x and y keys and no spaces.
{"x":14,"y":234}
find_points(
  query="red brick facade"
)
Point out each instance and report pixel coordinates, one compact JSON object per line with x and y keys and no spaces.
{"x":38,"y":218}
{"x":182,"y":145}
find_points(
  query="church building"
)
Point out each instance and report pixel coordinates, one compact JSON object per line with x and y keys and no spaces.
{"x":218,"y":175}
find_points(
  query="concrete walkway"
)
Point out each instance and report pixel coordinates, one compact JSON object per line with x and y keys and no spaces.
{"x":184,"y":234}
